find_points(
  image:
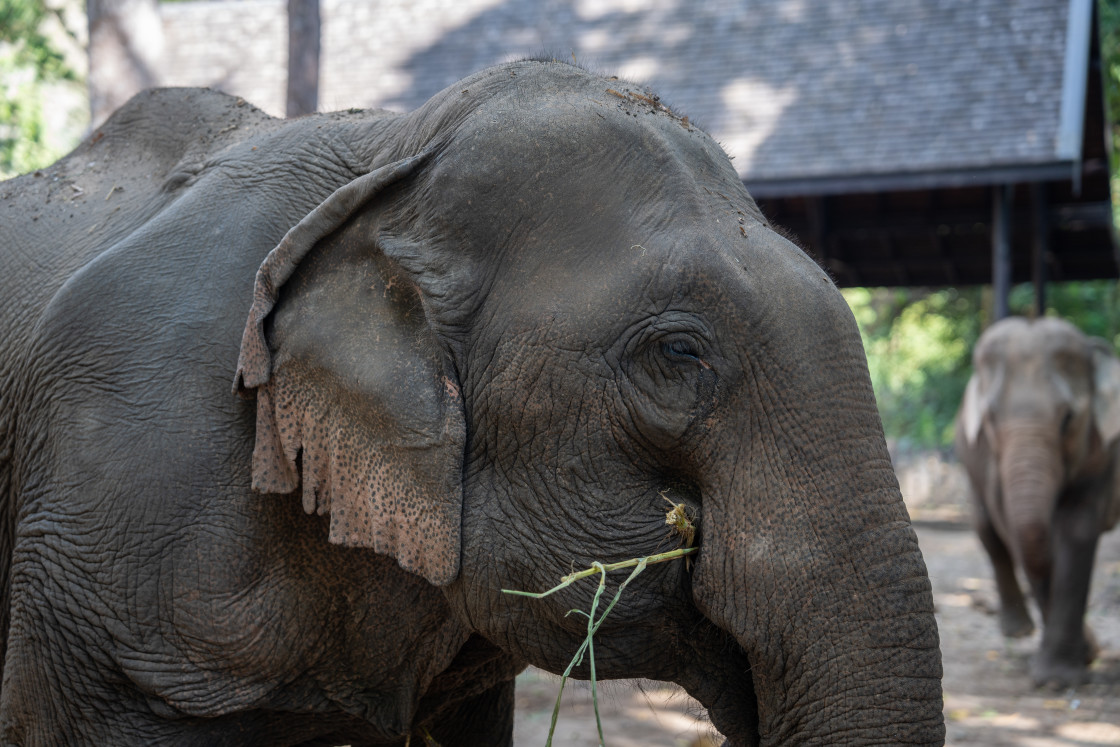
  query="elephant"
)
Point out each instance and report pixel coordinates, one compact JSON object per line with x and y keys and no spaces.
{"x":288,"y":403}
{"x":1038,"y":433}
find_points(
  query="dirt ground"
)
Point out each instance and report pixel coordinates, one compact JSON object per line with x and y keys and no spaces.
{"x":988,"y":696}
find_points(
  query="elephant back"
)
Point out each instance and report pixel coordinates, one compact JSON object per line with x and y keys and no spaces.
{"x":58,"y":219}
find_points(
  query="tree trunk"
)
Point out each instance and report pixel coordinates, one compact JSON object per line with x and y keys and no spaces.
{"x":125,"y":47}
{"x":303,"y":57}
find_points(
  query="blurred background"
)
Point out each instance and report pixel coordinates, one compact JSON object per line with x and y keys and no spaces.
{"x":908,"y":146}
{"x":949,"y":162}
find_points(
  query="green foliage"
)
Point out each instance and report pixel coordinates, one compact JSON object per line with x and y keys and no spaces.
{"x":1091,"y":305}
{"x":21,"y":27}
{"x":919,"y":345}
{"x":1108,"y":15}
{"x":22,"y":126}
{"x":33,"y":72}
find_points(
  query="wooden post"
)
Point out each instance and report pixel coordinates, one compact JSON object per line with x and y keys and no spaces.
{"x":125,"y":49}
{"x":1040,"y":246}
{"x":303,"y":57}
{"x":1001,"y":250}
{"x":817,"y":209}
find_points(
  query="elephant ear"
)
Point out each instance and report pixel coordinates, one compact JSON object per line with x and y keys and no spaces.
{"x":972,"y":410}
{"x":1106,"y":391}
{"x":356,"y":401}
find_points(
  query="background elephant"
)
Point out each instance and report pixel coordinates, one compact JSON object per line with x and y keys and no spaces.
{"x":484,"y":343}
{"x":1039,"y":435}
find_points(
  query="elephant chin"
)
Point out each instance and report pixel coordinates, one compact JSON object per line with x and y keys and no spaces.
{"x":720,"y":678}
{"x":733,"y":710}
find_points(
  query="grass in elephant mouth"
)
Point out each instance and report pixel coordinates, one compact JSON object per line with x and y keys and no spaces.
{"x":425,"y":735}
{"x":677,"y":518}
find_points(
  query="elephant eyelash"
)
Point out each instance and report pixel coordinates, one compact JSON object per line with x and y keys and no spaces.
{"x":684,"y":350}
{"x":680,"y":348}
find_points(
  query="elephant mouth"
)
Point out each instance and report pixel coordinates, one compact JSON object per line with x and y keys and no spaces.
{"x":706,"y":661}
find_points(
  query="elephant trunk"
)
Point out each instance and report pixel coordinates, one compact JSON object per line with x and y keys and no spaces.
{"x":810,"y":562}
{"x":1030,"y":472}
{"x":854,"y":662}
{"x":807,"y":557}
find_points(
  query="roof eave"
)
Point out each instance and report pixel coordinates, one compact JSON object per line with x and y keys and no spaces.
{"x":898,"y":182}
{"x":1075,"y":78}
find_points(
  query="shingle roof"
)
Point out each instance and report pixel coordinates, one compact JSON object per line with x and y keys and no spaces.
{"x":794,"y":89}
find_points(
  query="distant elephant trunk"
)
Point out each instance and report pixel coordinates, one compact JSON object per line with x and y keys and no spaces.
{"x":809,"y":561}
{"x":1031,"y":473}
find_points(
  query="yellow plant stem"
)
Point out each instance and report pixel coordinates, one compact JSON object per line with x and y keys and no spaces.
{"x":639,"y":565}
{"x":566,"y":581}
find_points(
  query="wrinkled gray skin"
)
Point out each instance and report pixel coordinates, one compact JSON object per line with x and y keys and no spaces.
{"x":487,"y":340}
{"x":1039,"y":435}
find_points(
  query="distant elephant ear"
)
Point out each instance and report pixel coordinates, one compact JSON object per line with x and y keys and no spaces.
{"x":1106,"y":391}
{"x":972,"y":410}
{"x":355,"y":399}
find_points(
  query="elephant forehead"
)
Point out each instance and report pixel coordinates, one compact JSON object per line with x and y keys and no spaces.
{"x":569,"y":137}
{"x":1021,"y":341}
{"x":610,"y":283}
{"x":737,"y":292}
{"x":535,"y":178}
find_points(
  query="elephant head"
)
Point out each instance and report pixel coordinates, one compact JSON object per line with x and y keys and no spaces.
{"x":1039,"y":428}
{"x":549,"y":307}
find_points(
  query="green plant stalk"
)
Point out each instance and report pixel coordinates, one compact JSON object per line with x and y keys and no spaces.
{"x":588,"y":645}
{"x":639,"y":565}
{"x":566,"y":581}
{"x":591,"y":645}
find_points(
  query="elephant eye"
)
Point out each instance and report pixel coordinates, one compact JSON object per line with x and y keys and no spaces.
{"x":678,"y":348}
